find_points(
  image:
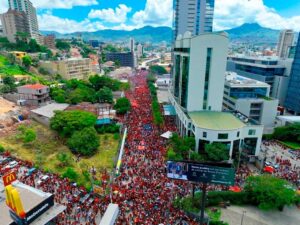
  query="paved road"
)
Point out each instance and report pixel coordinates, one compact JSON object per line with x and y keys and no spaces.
{"x":254,"y":216}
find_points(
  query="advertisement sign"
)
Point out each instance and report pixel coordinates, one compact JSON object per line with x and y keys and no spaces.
{"x":34,"y":213}
{"x":201,"y":172}
{"x":9,"y":178}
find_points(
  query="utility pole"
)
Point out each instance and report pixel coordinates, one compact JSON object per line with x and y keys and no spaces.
{"x":242,"y":220}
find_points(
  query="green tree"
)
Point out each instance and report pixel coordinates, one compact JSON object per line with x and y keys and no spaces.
{"x":117,"y":63}
{"x":160,"y":70}
{"x":34,"y":46}
{"x":71,"y":174}
{"x":105,"y":95}
{"x":5,"y":89}
{"x":99,"y":82}
{"x":268,"y":192}
{"x":84,"y":142}
{"x":217,"y":152}
{"x":9,"y":80}
{"x":58,"y":95}
{"x":67,"y":122}
{"x":288,"y":133}
{"x":26,"y":60}
{"x":122,"y":105}
{"x":81,"y":94}
{"x":61,"y":45}
{"x":29,"y":135}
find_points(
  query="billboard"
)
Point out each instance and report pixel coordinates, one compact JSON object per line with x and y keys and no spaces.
{"x":201,"y":172}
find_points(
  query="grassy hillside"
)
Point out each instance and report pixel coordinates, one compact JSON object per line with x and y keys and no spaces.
{"x":8,"y":69}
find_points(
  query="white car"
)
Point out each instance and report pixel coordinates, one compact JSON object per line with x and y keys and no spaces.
{"x":11,"y":165}
{"x":43,"y":179}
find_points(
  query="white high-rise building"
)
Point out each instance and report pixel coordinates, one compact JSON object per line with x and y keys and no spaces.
{"x":199,"y":69}
{"x":286,"y":40}
{"x":27,"y":7}
{"x":197,"y":96}
{"x":140,"y":50}
{"x":195,"y":16}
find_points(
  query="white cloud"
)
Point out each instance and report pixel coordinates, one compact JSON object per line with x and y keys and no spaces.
{"x":156,"y":13}
{"x":3,"y":6}
{"x":53,"y":23}
{"x":117,"y":15}
{"x":52,"y":4}
{"x":62,"y":4}
{"x":233,"y":13}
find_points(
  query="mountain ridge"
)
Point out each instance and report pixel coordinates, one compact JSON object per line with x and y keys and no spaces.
{"x":246,"y":33}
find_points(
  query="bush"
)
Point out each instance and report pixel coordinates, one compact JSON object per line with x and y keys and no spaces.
{"x":71,"y":174}
{"x":2,"y":149}
{"x":113,"y":128}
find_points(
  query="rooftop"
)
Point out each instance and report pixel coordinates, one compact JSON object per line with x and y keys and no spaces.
{"x":34,"y":86}
{"x":48,"y":110}
{"x":233,"y":79}
{"x":31,"y":197}
{"x":215,"y":120}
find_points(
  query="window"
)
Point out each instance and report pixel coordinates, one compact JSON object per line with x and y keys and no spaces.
{"x":251,"y":132}
{"x":207,"y":75}
{"x":205,"y":134}
{"x":238,"y":134}
{"x":222,"y":136}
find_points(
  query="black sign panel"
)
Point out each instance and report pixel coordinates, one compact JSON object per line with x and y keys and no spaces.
{"x":200,"y":172}
{"x":34,"y":213}
{"x":211,"y":174}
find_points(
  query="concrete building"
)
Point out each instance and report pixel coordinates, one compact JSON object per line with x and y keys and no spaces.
{"x":125,"y":58}
{"x":195,"y":16}
{"x":197,"y":96}
{"x":140,"y":50}
{"x":73,"y":68}
{"x":131,"y":45}
{"x":27,"y":7}
{"x":43,"y":114}
{"x":292,"y":102}
{"x":49,"y":41}
{"x":286,"y":39}
{"x":1,"y":31}
{"x":270,"y":70}
{"x":34,"y":94}
{"x":251,"y":98}
{"x":14,"y":22}
{"x":39,"y":207}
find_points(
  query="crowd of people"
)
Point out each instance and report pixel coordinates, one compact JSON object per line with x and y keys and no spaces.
{"x":142,"y":189}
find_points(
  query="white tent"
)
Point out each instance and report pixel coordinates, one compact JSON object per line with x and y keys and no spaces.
{"x":167,"y":135}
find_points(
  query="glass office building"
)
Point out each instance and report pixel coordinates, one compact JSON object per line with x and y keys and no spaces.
{"x":292,"y":101}
{"x":195,"y":16}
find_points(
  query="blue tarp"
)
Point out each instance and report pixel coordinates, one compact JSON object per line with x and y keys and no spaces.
{"x":169,"y":110}
{"x":103,"y":121}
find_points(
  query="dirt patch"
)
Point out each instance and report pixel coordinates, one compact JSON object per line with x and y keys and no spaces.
{"x":6,"y":106}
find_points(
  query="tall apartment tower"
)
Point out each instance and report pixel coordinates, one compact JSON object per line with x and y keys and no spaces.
{"x":195,"y":16}
{"x":292,"y":101}
{"x":286,"y":39}
{"x":131,"y":44}
{"x":198,"y":72}
{"x":27,"y":7}
{"x":13,"y":22}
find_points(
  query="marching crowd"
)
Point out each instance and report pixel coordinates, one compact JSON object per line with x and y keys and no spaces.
{"x":142,"y":190}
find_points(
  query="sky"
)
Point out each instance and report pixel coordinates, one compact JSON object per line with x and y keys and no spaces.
{"x":66,"y":16}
